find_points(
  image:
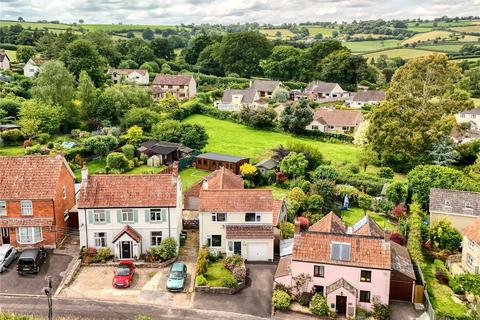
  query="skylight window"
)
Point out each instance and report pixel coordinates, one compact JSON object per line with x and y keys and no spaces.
{"x":341,"y":251}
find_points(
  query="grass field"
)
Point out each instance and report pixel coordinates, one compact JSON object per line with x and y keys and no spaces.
{"x":371,"y":45}
{"x":353,"y":215}
{"x":271,"y":33}
{"x":190,"y":176}
{"x":443,"y":47}
{"x":12,"y":151}
{"x":468,"y":29}
{"x":426,"y":36}
{"x":39,"y":25}
{"x":236,"y":139}
{"x":403,"y":53}
{"x":429,"y":24}
{"x":476,"y":101}
{"x":367,"y":35}
{"x":314,"y":30}
{"x":12,"y":55}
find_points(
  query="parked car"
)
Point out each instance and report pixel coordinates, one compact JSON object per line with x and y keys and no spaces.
{"x":30,"y":260}
{"x":123,"y":275}
{"x":177,"y":276}
{"x":7,"y":255}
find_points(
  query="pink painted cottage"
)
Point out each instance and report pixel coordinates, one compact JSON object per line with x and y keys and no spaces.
{"x":351,"y":266}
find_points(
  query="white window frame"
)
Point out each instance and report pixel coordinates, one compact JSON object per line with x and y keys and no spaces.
{"x":97,"y":213}
{"x":157,"y":213}
{"x":126,"y":213}
{"x":3,"y":208}
{"x":258,"y":217}
{"x":26,"y":207}
{"x":156,"y":238}
{"x":210,"y":240}
{"x":471,"y":244}
{"x":215,"y":217}
{"x":34,"y":233}
{"x":100,"y":241}
{"x":314,"y":127}
{"x":469,"y":260}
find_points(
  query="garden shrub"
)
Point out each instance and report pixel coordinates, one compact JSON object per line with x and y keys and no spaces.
{"x":282,"y":287}
{"x":399,"y":212}
{"x":396,"y":192}
{"x":200,"y":280}
{"x":214,"y":256}
{"x":202,"y":262}
{"x":102,"y":255}
{"x":469,"y":282}
{"x":304,"y":298}
{"x":12,"y":137}
{"x":287,"y":229}
{"x":398,"y":238}
{"x":325,"y":172}
{"x":129,"y":151}
{"x":441,"y":276}
{"x":386,"y":173}
{"x":168,"y":248}
{"x":33,"y":149}
{"x":354,"y":169}
{"x":232,"y":261}
{"x":281,"y":300}
{"x":380,"y":311}
{"x":414,"y":243}
{"x":371,"y":185}
{"x":444,"y":236}
{"x":43,"y":138}
{"x":117,"y":160}
{"x":240,"y":273}
{"x":100,"y":145}
{"x":318,"y":305}
{"x":229,"y":282}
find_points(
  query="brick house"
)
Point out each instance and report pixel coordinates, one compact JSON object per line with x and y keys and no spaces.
{"x":36,"y":192}
{"x":181,"y":86}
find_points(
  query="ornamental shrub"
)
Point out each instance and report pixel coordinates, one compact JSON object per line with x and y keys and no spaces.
{"x":325,"y":172}
{"x":396,"y":192}
{"x":386,"y":173}
{"x":43,"y":138}
{"x":280,"y":300}
{"x":318,"y":305}
{"x":380,"y":311}
{"x":232,"y":261}
{"x":287,"y":229}
{"x":12,"y":137}
{"x":240,"y":273}
{"x":229,"y":282}
{"x":304,"y":298}
{"x":202,"y":262}
{"x":117,"y":160}
{"x":168,"y":248}
{"x":444,"y":236}
{"x":129,"y":151}
{"x":200,"y":280}
{"x":398,"y":238}
{"x":102,"y":255}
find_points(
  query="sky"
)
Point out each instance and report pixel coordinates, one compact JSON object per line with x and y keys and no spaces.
{"x":173,"y":12}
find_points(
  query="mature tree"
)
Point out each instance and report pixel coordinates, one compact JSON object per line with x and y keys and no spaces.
{"x":86,"y":93}
{"x":54,"y":85}
{"x":40,"y":116}
{"x":367,"y":157}
{"x":325,"y":172}
{"x":101,"y":145}
{"x":134,"y":134}
{"x":396,"y":192}
{"x":168,"y":103}
{"x":209,"y":60}
{"x":295,"y":118}
{"x":471,"y":81}
{"x":148,"y":34}
{"x":24,"y":53}
{"x":241,"y":52}
{"x":195,"y":47}
{"x":168,"y":130}
{"x":128,"y":64}
{"x":443,"y":153}
{"x":321,"y":49}
{"x":142,"y":117}
{"x":258,"y":117}
{"x":364,"y":202}
{"x":106,"y":46}
{"x":294,"y":164}
{"x":162,"y":48}
{"x":418,"y":111}
{"x":191,"y":135}
{"x":288,"y":63}
{"x":81,"y":55}
{"x":280,"y":95}
{"x":141,"y":54}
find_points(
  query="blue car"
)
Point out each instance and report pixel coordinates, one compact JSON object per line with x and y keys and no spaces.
{"x":177,"y":276}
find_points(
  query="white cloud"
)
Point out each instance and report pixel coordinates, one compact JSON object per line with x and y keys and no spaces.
{"x":231,"y":11}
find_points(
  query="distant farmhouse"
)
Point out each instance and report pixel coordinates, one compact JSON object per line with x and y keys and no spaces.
{"x":180,"y":86}
{"x":472,"y":117}
{"x":254,"y":96}
{"x":4,"y":60}
{"x":32,"y":67}
{"x":335,"y":120}
{"x":321,"y":91}
{"x":362,"y":98}
{"x":461,"y":208}
{"x":133,"y":76}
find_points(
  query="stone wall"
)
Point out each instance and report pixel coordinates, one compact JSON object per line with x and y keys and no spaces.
{"x":221,"y":290}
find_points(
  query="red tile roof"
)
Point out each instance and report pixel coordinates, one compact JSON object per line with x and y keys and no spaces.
{"x":368,"y":252}
{"x":336,"y":117}
{"x":329,"y":223}
{"x":238,"y":200}
{"x":30,"y":177}
{"x":218,"y":179}
{"x":283,"y":268}
{"x":174,"y":80}
{"x":472,"y":231}
{"x":368,"y":227}
{"x":130,"y":231}
{"x":142,"y":190}
{"x":249,"y":232}
{"x":277,"y":209}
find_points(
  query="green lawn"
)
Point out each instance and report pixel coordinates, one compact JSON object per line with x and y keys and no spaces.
{"x":12,"y":151}
{"x":371,"y":45}
{"x":278,"y":193}
{"x":93,"y":166}
{"x":190,"y":176}
{"x":144,"y":169}
{"x":314,"y":30}
{"x":120,"y":27}
{"x":215,"y":274}
{"x":402,"y":53}
{"x":353,"y":215}
{"x":236,"y":139}
{"x":476,"y":101}
{"x":12,"y":55}
{"x":441,"y":294}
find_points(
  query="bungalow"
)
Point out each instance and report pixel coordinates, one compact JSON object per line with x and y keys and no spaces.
{"x":265,"y":88}
{"x":335,"y":120}
{"x":319,"y":90}
{"x":36,"y":193}
{"x":471,"y":248}
{"x":4,"y":60}
{"x":361,"y":98}
{"x":181,"y":86}
{"x":471,"y":117}
{"x":32,"y":67}
{"x":132,"y":76}
{"x":213,"y":161}
{"x":129,"y":213}
{"x":165,"y":152}
{"x":461,"y":208}
{"x":351,"y":266}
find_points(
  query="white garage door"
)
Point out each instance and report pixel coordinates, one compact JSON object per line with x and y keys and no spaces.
{"x":257,"y":251}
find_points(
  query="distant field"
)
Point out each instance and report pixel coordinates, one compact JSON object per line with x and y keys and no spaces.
{"x":468,"y":29}
{"x":469,"y":38}
{"x":39,"y":25}
{"x":371,"y":45}
{"x":119,"y":27}
{"x":271,"y":33}
{"x":12,"y":55}
{"x":314,"y":30}
{"x":367,"y":35}
{"x":443,"y":47}
{"x":403,"y":53}
{"x":476,"y":101}
{"x":432,"y":35}
{"x":444,"y":24}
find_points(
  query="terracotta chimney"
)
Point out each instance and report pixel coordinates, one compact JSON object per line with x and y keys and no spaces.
{"x":84,"y":174}
{"x":175,"y":168}
{"x":297,"y":227}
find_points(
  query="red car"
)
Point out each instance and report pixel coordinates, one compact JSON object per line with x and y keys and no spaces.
{"x":123,"y":275}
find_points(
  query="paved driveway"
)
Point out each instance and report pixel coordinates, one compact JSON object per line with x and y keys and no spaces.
{"x":400,"y":310}
{"x":54,"y":266}
{"x":256,"y":299}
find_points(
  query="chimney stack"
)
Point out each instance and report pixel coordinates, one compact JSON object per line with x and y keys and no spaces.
{"x":387,"y":235}
{"x":84,"y":174}
{"x":175,"y":168}
{"x":297,"y":227}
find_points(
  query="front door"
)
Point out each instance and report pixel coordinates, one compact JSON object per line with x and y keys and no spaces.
{"x":5,"y":234}
{"x":126,"y":249}
{"x":237,"y":247}
{"x":341,"y":305}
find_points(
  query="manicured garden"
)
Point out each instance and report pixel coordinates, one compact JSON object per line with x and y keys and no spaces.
{"x":214,"y":270}
{"x":353,"y":215}
{"x":217,"y":273}
{"x":190,"y":176}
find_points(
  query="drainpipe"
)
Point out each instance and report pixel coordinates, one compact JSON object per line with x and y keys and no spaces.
{"x":168,"y":209}
{"x":86,"y":226}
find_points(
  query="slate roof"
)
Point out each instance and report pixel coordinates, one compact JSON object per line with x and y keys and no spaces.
{"x":336,"y":117}
{"x":174,"y":80}
{"x":265,"y":85}
{"x":127,"y":71}
{"x":321,"y":86}
{"x":249,"y":232}
{"x":30,"y":177}
{"x":268,"y":164}
{"x":368,"y":227}
{"x":369,"y":95}
{"x":329,"y":223}
{"x":472,"y":231}
{"x":220,"y":157}
{"x":3,"y":55}
{"x":401,"y":261}
{"x":368,"y":252}
{"x":248,"y":95}
{"x":162,"y":147}
{"x":236,"y":200}
{"x":128,"y":191}
{"x":130,"y":231}
{"x":457,"y":202}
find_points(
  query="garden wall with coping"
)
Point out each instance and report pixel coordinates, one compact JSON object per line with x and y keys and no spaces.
{"x":138,"y":264}
{"x":221,"y":290}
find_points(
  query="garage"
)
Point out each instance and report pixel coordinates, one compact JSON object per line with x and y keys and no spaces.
{"x":257,"y":251}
